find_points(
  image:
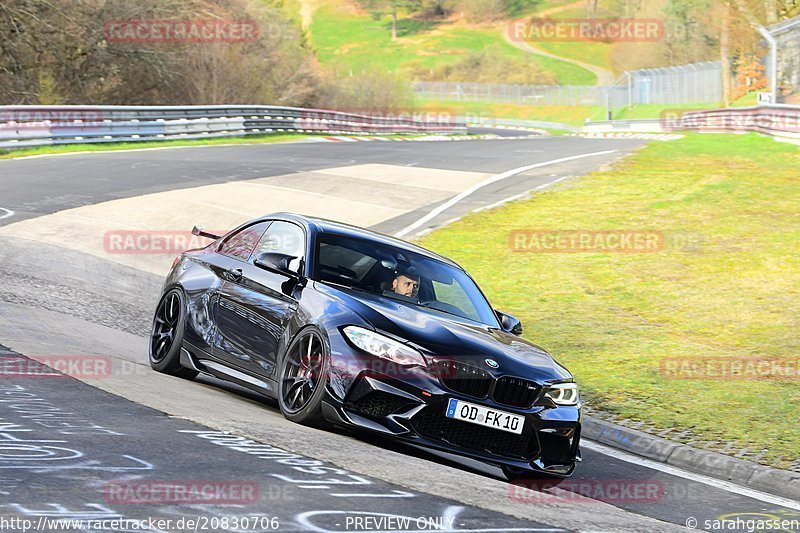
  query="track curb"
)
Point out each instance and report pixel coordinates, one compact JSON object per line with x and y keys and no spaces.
{"x":772,"y":480}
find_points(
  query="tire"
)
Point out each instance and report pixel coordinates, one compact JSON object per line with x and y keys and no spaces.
{"x":166,"y":336}
{"x":303,"y":377}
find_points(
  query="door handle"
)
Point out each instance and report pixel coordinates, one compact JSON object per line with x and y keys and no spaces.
{"x":234,"y":274}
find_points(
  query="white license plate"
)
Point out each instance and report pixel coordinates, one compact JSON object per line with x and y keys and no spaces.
{"x":484,"y":416}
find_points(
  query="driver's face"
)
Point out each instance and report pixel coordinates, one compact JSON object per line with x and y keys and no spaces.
{"x":406,"y":286}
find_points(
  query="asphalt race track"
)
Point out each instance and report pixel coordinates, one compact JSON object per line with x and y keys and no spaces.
{"x":73,"y":448}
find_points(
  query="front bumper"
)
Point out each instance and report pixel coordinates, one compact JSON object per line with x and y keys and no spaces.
{"x":412,"y":408}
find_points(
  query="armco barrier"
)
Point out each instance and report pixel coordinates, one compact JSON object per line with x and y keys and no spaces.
{"x":480,"y":121}
{"x":777,"y":120}
{"x":47,"y":125}
{"x":781,"y":121}
{"x":647,"y":125}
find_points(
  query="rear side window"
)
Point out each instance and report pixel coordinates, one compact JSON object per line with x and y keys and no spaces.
{"x":283,"y":238}
{"x":242,"y":243}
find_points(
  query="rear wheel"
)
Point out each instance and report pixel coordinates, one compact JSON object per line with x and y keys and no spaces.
{"x":303,"y":376}
{"x":166,"y":337}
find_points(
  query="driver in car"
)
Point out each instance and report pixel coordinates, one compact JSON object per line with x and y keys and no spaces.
{"x":406,"y":283}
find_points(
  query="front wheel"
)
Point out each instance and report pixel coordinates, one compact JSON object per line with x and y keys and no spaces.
{"x":166,"y":337}
{"x":303,"y":376}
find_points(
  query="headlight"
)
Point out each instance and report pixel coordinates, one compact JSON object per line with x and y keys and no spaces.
{"x":384,"y":347}
{"x":563,"y":394}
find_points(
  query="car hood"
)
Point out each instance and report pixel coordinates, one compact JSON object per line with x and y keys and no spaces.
{"x":445,"y":336}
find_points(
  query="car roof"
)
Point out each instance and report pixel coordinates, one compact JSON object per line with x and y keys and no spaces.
{"x":340,"y":228}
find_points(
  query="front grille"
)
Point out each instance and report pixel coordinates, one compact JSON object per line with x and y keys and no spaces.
{"x":463,"y":378}
{"x":379,"y":404}
{"x":432,"y":423}
{"x":516,"y":392}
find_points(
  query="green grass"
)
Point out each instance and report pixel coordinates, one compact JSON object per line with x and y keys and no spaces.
{"x":567,"y":73}
{"x":748,"y":100}
{"x":573,"y":115}
{"x":726,"y":284}
{"x":593,"y":53}
{"x":657,"y":110}
{"x":110,"y":147}
{"x":349,"y":41}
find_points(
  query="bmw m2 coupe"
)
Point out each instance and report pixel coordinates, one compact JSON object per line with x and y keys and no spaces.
{"x":347,"y":327}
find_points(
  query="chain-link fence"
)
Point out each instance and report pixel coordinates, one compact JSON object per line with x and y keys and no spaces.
{"x":511,"y":94}
{"x":699,"y":83}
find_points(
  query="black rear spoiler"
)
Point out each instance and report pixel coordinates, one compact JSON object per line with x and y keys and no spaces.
{"x":197,"y":230}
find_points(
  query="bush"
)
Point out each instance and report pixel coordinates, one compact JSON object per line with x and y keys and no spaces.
{"x":376,"y":91}
{"x":489,"y":66}
{"x":58,"y":52}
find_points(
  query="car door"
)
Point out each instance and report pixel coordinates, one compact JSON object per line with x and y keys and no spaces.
{"x":255,"y":305}
{"x":227,"y":264}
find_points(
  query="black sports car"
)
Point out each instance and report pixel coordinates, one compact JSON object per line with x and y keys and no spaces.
{"x":348,"y":327}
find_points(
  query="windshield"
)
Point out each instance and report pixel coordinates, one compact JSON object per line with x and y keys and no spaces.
{"x":402,"y":275}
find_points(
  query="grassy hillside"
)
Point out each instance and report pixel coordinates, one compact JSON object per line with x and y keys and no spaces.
{"x":349,"y":40}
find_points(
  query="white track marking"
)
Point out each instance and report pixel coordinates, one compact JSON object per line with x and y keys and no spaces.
{"x":700,"y":478}
{"x":5,"y":213}
{"x":453,"y":201}
{"x":519,"y":196}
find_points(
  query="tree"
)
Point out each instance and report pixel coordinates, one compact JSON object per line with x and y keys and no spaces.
{"x":693,"y":36}
{"x":379,"y":7}
{"x":59,"y":52}
{"x":771,"y":11}
{"x":591,"y":9}
{"x":724,"y":48}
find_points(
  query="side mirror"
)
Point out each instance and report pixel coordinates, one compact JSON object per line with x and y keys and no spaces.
{"x":280,"y":263}
{"x":198,"y":232}
{"x":510,"y":324}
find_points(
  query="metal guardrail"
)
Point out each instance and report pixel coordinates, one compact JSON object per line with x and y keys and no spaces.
{"x":479,"y":121}
{"x":776,"y":120}
{"x":649,"y":125}
{"x":49,"y":125}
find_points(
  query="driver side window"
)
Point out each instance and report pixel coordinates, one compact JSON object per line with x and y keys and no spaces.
{"x":283,"y":238}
